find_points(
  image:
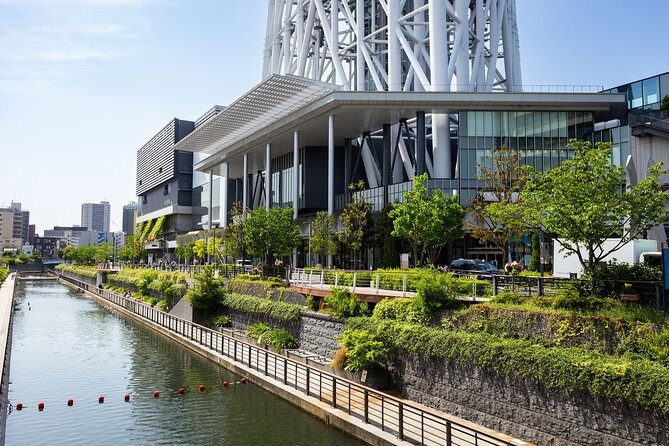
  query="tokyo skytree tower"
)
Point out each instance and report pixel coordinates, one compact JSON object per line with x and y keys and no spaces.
{"x":398,"y":45}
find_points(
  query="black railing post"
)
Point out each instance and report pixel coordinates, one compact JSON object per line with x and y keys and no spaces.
{"x":285,"y":371}
{"x":366,"y":394}
{"x":334,"y":392}
{"x":494,"y":285}
{"x":448,"y":433}
{"x":266,"y":360}
{"x":307,"y":384}
{"x":400,"y":420}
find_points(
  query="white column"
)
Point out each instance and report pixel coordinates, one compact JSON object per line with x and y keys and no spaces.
{"x":268,"y":177}
{"x":331,"y":156}
{"x":223,"y":197}
{"x":441,"y":143}
{"x":360,"y":42}
{"x":394,"y":47}
{"x":296,"y":173}
{"x":462,"y":62}
{"x":210,"y":217}
{"x":245,"y":182}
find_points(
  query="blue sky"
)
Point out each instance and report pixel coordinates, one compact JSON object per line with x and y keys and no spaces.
{"x":85,"y":83}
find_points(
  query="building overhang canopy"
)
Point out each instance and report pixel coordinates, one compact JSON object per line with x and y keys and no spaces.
{"x":265,"y":116}
{"x":271,"y":100}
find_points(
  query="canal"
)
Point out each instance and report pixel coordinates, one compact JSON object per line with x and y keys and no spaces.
{"x":65,"y":346}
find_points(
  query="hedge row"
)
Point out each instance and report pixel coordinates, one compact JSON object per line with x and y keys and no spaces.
{"x":86,"y":271}
{"x":637,"y":380}
{"x":4,"y":272}
{"x":132,"y":276}
{"x":258,"y":305}
{"x":604,"y":334}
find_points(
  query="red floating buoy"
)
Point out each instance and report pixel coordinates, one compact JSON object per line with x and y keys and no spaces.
{"x":70,"y":402}
{"x":40,"y":406}
{"x":201,"y":387}
{"x":101,"y":399}
{"x":126,"y":397}
{"x":226,"y":384}
{"x":156,"y":394}
{"x":19,"y":406}
{"x":182,"y":390}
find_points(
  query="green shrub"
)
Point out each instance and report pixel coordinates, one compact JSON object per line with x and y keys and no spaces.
{"x":311,"y":303}
{"x":256,"y":330}
{"x":207,"y":292}
{"x":144,"y":282}
{"x":508,"y":297}
{"x":342,"y":303}
{"x":162,"y":305}
{"x":222,"y":320}
{"x":257,"y":305}
{"x":435,"y":294}
{"x":363,"y":350}
{"x":4,"y":272}
{"x":281,"y":339}
{"x":573,"y":301}
{"x":401,"y":309}
{"x":604,"y":279}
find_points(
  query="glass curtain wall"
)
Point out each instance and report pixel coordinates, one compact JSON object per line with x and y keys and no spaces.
{"x":541,"y":138}
{"x":282,"y":180}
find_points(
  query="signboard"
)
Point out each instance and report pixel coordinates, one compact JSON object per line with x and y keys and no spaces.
{"x":404,"y":260}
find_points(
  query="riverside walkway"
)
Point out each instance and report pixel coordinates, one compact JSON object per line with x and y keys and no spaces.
{"x":6,"y":311}
{"x":372,"y":416}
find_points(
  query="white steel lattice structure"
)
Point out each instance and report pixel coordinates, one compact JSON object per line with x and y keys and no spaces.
{"x":398,"y":45}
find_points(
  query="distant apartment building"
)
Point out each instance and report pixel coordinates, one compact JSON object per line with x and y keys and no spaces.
{"x":95,"y":216}
{"x":8,"y":234}
{"x":31,"y":235}
{"x":129,"y":218}
{"x":47,"y":246}
{"x":19,"y":220}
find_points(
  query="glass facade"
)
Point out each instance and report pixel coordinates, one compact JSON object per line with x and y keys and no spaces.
{"x":282,"y":180}
{"x":541,"y":138}
{"x":645,"y":94}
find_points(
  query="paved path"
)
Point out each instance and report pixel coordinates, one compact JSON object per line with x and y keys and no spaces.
{"x":6,"y":308}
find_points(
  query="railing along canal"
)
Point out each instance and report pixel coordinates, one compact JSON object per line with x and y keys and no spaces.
{"x":407,"y":421}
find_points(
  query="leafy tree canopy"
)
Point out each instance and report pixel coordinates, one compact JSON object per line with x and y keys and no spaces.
{"x":270,"y":233}
{"x":427,"y":222}
{"x":584,"y":201}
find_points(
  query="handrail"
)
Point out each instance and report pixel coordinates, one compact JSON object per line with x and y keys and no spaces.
{"x":408,"y":421}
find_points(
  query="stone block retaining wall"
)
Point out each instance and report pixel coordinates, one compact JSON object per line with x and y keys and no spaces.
{"x":524,"y":408}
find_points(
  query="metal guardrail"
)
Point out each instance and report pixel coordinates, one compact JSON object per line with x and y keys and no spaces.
{"x":407,"y":421}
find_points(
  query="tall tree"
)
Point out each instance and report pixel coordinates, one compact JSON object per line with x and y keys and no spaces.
{"x":322,"y":235}
{"x":269,"y":234}
{"x":355,"y":219}
{"x":427,"y":222}
{"x":133,"y":250}
{"x":200,"y":249}
{"x":584,"y":201}
{"x":233,"y":235}
{"x":496,"y":212}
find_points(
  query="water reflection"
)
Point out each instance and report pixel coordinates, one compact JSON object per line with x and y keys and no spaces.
{"x":66,"y":346}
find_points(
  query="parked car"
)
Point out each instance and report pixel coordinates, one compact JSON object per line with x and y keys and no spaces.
{"x":474,"y":266}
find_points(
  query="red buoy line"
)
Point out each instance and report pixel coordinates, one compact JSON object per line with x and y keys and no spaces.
{"x":156,"y":394}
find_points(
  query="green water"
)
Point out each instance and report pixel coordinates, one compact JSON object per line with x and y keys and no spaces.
{"x":67,"y":346}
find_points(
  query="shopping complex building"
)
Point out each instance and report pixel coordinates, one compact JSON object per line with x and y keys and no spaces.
{"x":379,"y":93}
